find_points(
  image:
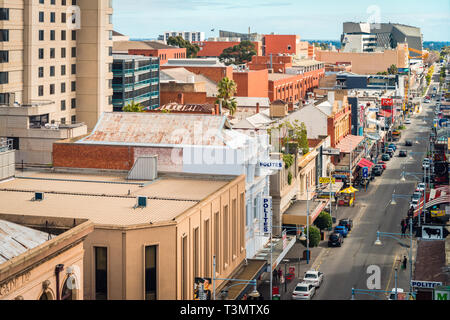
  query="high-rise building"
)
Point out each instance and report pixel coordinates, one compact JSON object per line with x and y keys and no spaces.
{"x":365,"y":37}
{"x":55,"y":69}
{"x":186,"y":35}
{"x":136,"y":79}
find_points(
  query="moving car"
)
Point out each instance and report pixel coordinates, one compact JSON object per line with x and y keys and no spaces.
{"x":417,"y":195}
{"x":348,"y":223}
{"x":392,"y":146}
{"x":303,"y":291}
{"x":335,"y":240}
{"x":421,"y":187}
{"x":313,"y":277}
{"x":414,"y":203}
{"x":342,"y":230}
{"x":407,"y":121}
{"x":403,"y":154}
{"x":386,"y":157}
{"x":408,"y":143}
{"x":426,"y":163}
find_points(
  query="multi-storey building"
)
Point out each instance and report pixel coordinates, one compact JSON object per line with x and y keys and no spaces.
{"x":136,"y":78}
{"x":55,"y":68}
{"x":186,"y":35}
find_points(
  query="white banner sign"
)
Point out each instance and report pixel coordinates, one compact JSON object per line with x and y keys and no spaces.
{"x":425,"y":284}
{"x":272,"y":164}
{"x":267,"y":210}
{"x":432,"y":232}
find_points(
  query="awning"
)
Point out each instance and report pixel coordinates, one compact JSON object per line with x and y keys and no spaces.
{"x":251,"y":271}
{"x":366,"y":163}
{"x":385,"y":113}
{"x":297,"y":214}
{"x":349,"y":190}
{"x":350,"y":143}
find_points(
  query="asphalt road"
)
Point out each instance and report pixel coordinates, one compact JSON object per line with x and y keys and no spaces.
{"x":346,"y":267}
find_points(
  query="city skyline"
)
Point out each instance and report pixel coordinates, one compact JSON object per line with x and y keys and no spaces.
{"x":320,"y":21}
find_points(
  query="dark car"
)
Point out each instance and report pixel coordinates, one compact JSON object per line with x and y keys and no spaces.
{"x":348,"y":223}
{"x":386,"y":157}
{"x":377,"y":171}
{"x":393,"y":146}
{"x":335,"y":240}
{"x":408,"y":143}
{"x":403,"y":154}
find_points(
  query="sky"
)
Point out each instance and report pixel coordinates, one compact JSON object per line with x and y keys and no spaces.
{"x":318,"y":20}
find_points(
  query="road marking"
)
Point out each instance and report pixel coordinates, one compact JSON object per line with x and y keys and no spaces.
{"x":392,"y":271}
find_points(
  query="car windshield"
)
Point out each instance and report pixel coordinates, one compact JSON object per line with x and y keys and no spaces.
{"x":334,"y":237}
{"x":310,"y":276}
{"x":301,"y":289}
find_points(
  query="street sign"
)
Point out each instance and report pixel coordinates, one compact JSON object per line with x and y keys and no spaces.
{"x":374,"y":109}
{"x":331,"y":152}
{"x":425,"y":284}
{"x":267,"y":209}
{"x":327,"y":180}
{"x":272,"y":164}
{"x":365,"y":172}
{"x":432,"y":232}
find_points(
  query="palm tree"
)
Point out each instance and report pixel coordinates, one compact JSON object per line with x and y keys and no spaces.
{"x":133,"y":107}
{"x":227,"y":88}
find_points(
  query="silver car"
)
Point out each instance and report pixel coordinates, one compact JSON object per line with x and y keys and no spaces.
{"x":304,"y":291}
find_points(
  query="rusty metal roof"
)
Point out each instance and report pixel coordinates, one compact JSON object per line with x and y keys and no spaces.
{"x":176,"y":107}
{"x":16,"y":239}
{"x":159,"y":129}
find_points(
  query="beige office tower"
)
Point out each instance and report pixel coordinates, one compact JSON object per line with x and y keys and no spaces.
{"x":55,"y":71}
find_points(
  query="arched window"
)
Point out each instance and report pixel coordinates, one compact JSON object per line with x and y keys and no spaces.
{"x":69,"y":290}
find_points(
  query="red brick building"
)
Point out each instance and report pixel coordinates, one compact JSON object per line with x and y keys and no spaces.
{"x":282,"y":44}
{"x":278,"y":63}
{"x":210,"y":49}
{"x":252,"y":83}
{"x":210,"y":68}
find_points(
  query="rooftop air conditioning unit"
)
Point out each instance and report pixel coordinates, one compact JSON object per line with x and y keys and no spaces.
{"x":141,"y":202}
{"x":38,"y":196}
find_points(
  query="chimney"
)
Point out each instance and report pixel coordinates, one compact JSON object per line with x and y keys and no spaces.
{"x":257,"y":107}
{"x":180,"y":99}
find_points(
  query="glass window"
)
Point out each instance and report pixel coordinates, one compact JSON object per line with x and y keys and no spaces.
{"x":101,"y":273}
{"x":150,"y":272}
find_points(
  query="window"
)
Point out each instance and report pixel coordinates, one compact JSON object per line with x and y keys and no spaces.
{"x":52,"y":17}
{"x":52,"y":89}
{"x":52,"y":53}
{"x":63,"y":121}
{"x":52,"y":35}
{"x":206,"y":246}
{"x":41,"y":72}
{"x":74,"y":103}
{"x":235,"y":227}
{"x":74,"y":119}
{"x":63,"y":52}
{"x":63,"y":105}
{"x":41,"y":53}
{"x":74,"y":69}
{"x":4,"y":77}
{"x":216,"y":240}
{"x":74,"y":35}
{"x":63,"y":17}
{"x":16,"y":142}
{"x":74,"y":52}
{"x":63,"y":87}
{"x":40,"y":91}
{"x":242,"y":222}
{"x":73,"y":86}
{"x":63,"y":70}
{"x":225,"y":236}
{"x":52,"y":71}
{"x":184,"y":268}
{"x":41,"y":16}
{"x":39,"y":121}
{"x":41,"y":35}
{"x":101,"y":273}
{"x":196,"y":253}
{"x":4,"y":14}
{"x":63,"y":35}
{"x":151,"y":272}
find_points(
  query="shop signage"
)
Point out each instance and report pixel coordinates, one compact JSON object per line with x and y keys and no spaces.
{"x":365,"y":172}
{"x":272,"y":164}
{"x":442,"y":293}
{"x":331,"y":152}
{"x":425,"y":284}
{"x":432,"y":232}
{"x":374,"y":109}
{"x":387,"y":102}
{"x":267,"y":209}
{"x":327,"y":180}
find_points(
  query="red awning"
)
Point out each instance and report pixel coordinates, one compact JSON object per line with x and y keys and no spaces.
{"x":385,"y":113}
{"x":366,"y":163}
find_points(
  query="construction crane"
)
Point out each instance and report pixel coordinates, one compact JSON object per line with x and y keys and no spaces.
{"x":422,"y":56}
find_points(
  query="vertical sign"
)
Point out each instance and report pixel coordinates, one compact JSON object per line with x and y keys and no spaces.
{"x":365,"y":172}
{"x":267,"y":210}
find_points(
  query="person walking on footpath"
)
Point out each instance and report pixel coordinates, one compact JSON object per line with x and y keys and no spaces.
{"x":275,"y":276}
{"x":280,"y":273}
{"x":405,"y":262}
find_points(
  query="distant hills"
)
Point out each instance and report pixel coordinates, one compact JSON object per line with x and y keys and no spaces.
{"x":435,"y":45}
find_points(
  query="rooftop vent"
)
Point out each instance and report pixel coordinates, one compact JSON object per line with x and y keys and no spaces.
{"x":38,"y":196}
{"x":141,"y":202}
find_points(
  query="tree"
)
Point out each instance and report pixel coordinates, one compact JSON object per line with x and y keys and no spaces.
{"x":314,"y":237}
{"x":393,"y":69}
{"x":324,"y":221}
{"x":133,"y":107}
{"x":227,"y":88}
{"x":178,"y":41}
{"x":238,"y":54}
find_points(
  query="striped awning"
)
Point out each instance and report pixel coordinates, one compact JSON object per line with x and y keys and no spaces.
{"x":366,"y":163}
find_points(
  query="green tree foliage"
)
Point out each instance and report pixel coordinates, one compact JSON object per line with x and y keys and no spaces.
{"x":227,"y":88}
{"x":178,"y":41}
{"x":295,"y":132}
{"x":238,"y":54}
{"x":133,"y":107}
{"x":314,"y":237}
{"x":324,"y":221}
{"x":393,"y":69}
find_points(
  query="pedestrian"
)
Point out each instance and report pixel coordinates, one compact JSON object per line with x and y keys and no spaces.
{"x":275,"y":276}
{"x":405,"y":261}
{"x":280,"y":273}
{"x":404,"y":231}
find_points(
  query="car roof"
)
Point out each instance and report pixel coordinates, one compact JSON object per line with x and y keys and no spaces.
{"x":312,"y":271}
{"x":303,"y":284}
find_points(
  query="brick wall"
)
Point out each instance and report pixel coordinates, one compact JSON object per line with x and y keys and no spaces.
{"x":253,"y":83}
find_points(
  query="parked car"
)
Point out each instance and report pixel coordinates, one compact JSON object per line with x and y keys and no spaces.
{"x":313,"y":277}
{"x":414,"y":203}
{"x":393,"y":146}
{"x":383,"y":164}
{"x":408,"y":121}
{"x":377,"y":171}
{"x":386,"y":157}
{"x":416,"y":195}
{"x":391,"y":152}
{"x":335,"y":240}
{"x":342,"y":230}
{"x":401,"y":295}
{"x":348,"y":223}
{"x":403,"y":154}
{"x":303,"y":291}
{"x":408,"y":143}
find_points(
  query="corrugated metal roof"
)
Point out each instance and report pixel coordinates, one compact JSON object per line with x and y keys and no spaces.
{"x":16,"y":239}
{"x":159,"y":129}
{"x":251,"y":102}
{"x":349,"y":143}
{"x":205,"y":108}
